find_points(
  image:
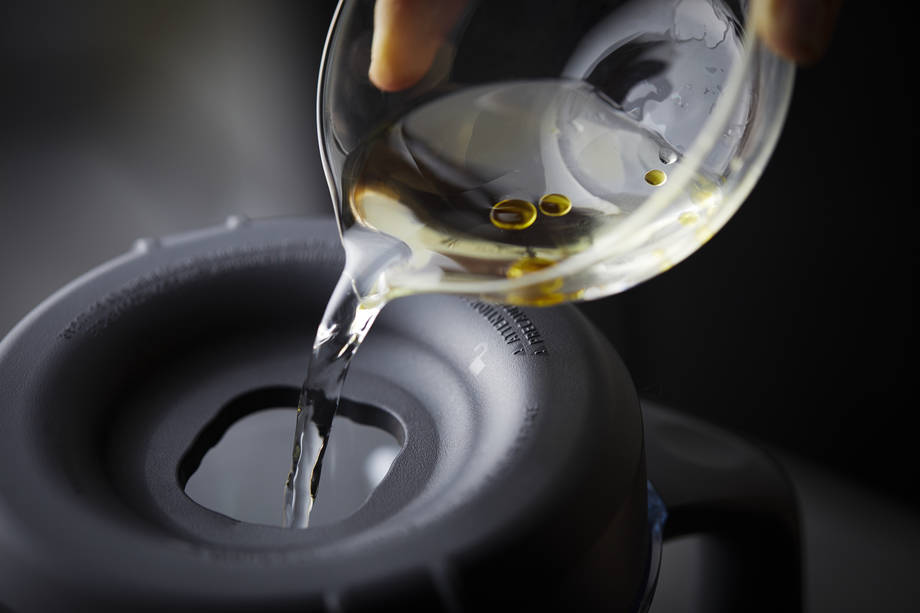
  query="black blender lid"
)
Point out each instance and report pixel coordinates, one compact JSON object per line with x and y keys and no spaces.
{"x":522,"y":483}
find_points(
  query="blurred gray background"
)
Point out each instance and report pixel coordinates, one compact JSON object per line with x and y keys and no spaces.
{"x":794,"y":325}
{"x":122,"y":120}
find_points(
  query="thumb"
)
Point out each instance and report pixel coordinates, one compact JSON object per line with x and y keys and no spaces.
{"x":799,"y":30}
{"x":407,"y":35}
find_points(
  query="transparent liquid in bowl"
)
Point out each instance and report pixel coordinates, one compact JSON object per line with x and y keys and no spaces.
{"x":488,"y":183}
{"x":477,"y":189}
{"x":499,"y":181}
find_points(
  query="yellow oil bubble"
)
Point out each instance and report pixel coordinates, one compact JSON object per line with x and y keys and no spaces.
{"x":555,"y":205}
{"x":704,"y":234}
{"x":664,"y":262}
{"x":701,"y":195}
{"x":526,"y":266}
{"x":688,"y":218}
{"x":513,"y":214}
{"x":544,"y":300}
{"x":705,"y":194}
{"x":538,"y":299}
{"x":655,"y":177}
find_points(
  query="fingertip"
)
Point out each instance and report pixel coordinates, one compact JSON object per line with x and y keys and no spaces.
{"x":798,"y":30}
{"x":407,"y":37}
{"x":389,"y":77}
{"x":803,"y":52}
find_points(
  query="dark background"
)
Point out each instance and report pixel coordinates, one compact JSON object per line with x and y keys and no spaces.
{"x":794,"y":325}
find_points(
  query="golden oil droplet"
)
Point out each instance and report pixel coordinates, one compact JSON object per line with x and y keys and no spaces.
{"x":535,"y":298}
{"x":555,"y":205}
{"x":543,"y":294}
{"x":703,"y":235}
{"x":526,"y":266}
{"x":699,"y":195}
{"x":688,"y":218}
{"x":664,"y":262}
{"x":539,"y":299}
{"x":545,"y":300}
{"x":513,"y":214}
{"x":655,"y":177}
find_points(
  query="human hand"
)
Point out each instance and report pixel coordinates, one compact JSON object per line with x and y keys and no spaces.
{"x":798,"y":30}
{"x":408,"y":33}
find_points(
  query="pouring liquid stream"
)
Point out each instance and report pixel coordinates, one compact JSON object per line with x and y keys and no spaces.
{"x":490,"y":183}
{"x":345,"y":324}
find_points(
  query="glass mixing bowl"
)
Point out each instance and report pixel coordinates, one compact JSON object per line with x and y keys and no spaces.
{"x":553,"y":151}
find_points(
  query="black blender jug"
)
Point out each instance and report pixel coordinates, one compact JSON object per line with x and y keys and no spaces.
{"x":526,"y":479}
